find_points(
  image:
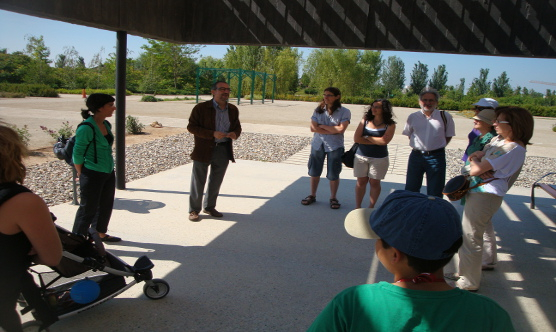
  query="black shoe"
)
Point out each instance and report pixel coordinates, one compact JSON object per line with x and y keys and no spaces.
{"x":110,"y":238}
{"x":213,"y":213}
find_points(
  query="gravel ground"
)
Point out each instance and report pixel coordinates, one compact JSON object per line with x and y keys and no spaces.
{"x":52,"y":180}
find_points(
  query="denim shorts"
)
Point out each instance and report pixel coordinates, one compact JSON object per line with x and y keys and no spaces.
{"x":334,"y":163}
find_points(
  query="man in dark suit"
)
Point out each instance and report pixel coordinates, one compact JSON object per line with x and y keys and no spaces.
{"x":215,"y":123}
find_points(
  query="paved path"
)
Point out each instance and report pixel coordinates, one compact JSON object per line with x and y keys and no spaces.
{"x":272,"y":264}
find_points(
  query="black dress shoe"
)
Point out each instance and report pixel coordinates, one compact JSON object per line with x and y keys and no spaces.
{"x":213,"y":213}
{"x":110,"y":238}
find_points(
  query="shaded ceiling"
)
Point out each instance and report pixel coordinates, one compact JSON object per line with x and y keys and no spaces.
{"x":487,"y":27}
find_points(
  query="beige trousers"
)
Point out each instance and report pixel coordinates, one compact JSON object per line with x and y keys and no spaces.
{"x":477,"y":218}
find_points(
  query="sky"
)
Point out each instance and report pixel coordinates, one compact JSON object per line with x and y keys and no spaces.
{"x":89,"y":41}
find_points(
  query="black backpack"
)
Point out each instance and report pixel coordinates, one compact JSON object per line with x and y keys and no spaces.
{"x":63,"y":148}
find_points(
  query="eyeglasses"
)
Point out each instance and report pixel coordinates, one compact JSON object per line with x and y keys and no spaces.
{"x":428,"y":100}
{"x":328,"y":96}
{"x":224,"y":89}
{"x":479,"y":108}
{"x":501,"y":121}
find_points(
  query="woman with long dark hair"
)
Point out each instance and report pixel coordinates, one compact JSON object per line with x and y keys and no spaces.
{"x":328,"y":123}
{"x":93,"y":160}
{"x":374,"y":132}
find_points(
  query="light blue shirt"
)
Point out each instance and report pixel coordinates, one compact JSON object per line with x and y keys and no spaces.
{"x":330,"y":142}
{"x":222,"y":120}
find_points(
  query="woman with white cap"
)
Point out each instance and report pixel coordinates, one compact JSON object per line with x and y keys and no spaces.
{"x":482,"y":104}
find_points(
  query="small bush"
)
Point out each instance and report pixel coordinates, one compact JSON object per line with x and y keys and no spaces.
{"x":11,"y":95}
{"x":150,"y":99}
{"x":554,"y":128}
{"x":133,"y":126}
{"x":23,"y":133}
{"x":66,"y":131}
{"x":33,"y":90}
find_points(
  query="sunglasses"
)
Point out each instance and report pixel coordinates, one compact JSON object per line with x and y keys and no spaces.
{"x":500,"y":121}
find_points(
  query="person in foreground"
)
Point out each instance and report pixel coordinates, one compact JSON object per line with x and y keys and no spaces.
{"x":417,"y":235}
{"x":27,"y":232}
{"x":495,"y":166}
{"x":215,"y":124}
{"x":328,"y":123}
{"x":93,"y":160}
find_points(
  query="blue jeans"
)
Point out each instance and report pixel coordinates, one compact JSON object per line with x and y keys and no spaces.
{"x":434,"y":165}
{"x":333,"y":164}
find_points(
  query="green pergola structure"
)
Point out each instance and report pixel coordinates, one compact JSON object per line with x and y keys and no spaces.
{"x":240,"y":74}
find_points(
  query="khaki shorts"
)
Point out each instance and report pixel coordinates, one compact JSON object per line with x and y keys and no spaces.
{"x":374,"y":168}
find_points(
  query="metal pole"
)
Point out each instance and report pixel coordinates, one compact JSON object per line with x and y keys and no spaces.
{"x":121,"y":56}
{"x":74,"y":176}
{"x":197,"y":83}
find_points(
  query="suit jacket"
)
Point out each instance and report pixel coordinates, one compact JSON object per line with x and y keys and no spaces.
{"x":202,"y":124}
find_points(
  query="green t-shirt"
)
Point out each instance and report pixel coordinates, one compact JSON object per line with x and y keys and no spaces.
{"x":386,"y":307}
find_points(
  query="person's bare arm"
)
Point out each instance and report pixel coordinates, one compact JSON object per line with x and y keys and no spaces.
{"x":34,"y":219}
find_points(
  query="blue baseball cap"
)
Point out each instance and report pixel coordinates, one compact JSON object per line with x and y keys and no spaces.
{"x":418,"y":225}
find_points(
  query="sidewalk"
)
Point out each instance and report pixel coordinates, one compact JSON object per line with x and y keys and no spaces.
{"x":272,"y":264}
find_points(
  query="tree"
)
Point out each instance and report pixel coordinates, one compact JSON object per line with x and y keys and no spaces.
{"x":439,"y":78}
{"x":456,"y":93}
{"x":174,"y":62}
{"x":419,"y":77}
{"x":38,"y":71}
{"x":286,"y":69}
{"x":71,"y":69}
{"x":393,"y":75}
{"x":36,"y":49}
{"x":353,"y":72}
{"x":501,"y":85}
{"x":481,"y":85}
{"x":370,"y":66}
{"x":13,"y":67}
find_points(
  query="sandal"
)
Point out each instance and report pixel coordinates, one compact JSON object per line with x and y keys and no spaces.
{"x":334,"y":204}
{"x":308,"y":200}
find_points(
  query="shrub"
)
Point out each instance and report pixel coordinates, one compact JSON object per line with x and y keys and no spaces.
{"x":133,"y":126}
{"x":33,"y":90}
{"x":23,"y":133}
{"x":554,"y":127}
{"x":11,"y":95}
{"x":65,"y":131}
{"x":150,"y":99}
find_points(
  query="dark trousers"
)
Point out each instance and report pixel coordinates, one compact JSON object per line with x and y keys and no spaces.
{"x":97,"y":201}
{"x":434,"y":165}
{"x":218,"y":166}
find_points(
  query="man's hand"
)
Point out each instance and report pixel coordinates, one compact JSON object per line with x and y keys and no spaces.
{"x":220,"y":135}
{"x":232,"y":135}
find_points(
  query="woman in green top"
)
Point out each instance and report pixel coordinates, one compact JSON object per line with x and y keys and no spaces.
{"x":483,"y":122}
{"x":92,"y":157}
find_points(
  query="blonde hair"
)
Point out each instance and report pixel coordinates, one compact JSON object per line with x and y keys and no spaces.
{"x":12,"y":151}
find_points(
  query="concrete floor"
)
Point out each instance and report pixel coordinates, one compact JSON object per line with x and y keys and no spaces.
{"x":272,"y":264}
